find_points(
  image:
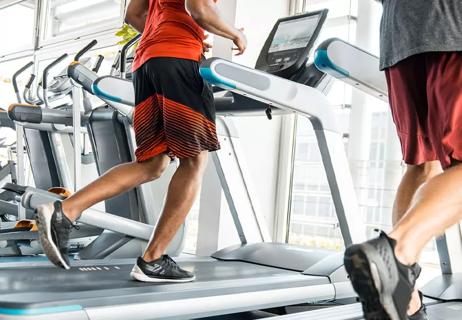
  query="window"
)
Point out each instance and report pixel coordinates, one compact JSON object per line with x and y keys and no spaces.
{"x":313,"y":220}
{"x":17,"y":34}
{"x":73,"y":18}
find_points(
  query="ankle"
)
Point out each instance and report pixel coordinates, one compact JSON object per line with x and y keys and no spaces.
{"x":415,"y":304}
{"x":152,"y":256}
{"x":404,"y":253}
{"x":70,"y":211}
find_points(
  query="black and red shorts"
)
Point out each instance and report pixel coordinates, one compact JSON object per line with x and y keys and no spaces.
{"x":175,"y":111}
{"x":425,"y":93}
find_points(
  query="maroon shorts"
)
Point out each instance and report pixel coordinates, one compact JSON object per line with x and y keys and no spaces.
{"x":425,"y":94}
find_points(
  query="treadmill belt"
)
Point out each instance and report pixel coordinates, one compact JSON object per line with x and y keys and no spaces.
{"x":40,"y":288}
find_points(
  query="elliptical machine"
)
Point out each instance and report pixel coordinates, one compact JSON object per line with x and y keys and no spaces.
{"x":44,"y":145}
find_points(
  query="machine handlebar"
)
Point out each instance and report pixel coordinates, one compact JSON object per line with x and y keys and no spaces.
{"x":31,"y":80}
{"x":18,"y":73}
{"x":98,"y":64}
{"x":85,"y":50}
{"x":49,"y":67}
{"x":124,"y":51}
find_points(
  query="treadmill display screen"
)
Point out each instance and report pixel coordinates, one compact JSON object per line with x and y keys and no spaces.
{"x":294,"y":34}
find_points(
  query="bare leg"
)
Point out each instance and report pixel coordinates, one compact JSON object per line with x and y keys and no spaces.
{"x":114,"y":182}
{"x":436,"y":206}
{"x":415,"y":176}
{"x":182,"y":192}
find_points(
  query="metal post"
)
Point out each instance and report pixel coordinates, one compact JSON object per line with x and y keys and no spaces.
{"x":21,"y":165}
{"x":77,"y":99}
{"x":340,"y":181}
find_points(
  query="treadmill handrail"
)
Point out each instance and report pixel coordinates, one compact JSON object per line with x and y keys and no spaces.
{"x":352,"y":65}
{"x":275,"y":91}
{"x":123,"y":100}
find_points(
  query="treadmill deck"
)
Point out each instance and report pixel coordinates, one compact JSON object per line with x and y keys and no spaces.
{"x":97,"y":290}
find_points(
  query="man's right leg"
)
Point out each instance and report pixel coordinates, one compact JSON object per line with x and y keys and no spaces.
{"x":383,"y":270}
{"x":55,"y":219}
{"x":114,"y":182}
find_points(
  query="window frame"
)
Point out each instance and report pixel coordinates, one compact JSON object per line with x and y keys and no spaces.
{"x":26,"y":49}
{"x":43,"y":41}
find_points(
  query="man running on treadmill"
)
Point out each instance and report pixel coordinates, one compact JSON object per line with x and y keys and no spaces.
{"x":174,"y":118}
{"x":421,"y":44}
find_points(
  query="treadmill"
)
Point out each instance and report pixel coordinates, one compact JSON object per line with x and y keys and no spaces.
{"x":339,"y":59}
{"x":435,"y":311}
{"x":250,"y":276}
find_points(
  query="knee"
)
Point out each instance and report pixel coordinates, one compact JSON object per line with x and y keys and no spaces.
{"x":153,"y":169}
{"x":196,"y":165}
{"x":425,"y":171}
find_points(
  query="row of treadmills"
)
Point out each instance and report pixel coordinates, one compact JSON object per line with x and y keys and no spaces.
{"x":254,"y":279}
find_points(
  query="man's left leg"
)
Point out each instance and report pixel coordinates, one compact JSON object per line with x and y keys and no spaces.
{"x":415,"y":176}
{"x":154,"y":266}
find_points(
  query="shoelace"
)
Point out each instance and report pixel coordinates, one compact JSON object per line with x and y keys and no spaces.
{"x":170,"y":262}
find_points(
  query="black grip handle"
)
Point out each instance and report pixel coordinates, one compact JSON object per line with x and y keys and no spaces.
{"x":124,"y":51}
{"x":116,"y":63}
{"x":98,"y":64}
{"x":85,"y":50}
{"x":18,"y":73}
{"x":31,"y":80}
{"x":20,"y":190}
{"x":49,"y":67}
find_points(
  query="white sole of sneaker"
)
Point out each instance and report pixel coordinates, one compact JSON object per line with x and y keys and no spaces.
{"x":44,"y":215}
{"x":138,"y":275}
{"x":385,"y":289}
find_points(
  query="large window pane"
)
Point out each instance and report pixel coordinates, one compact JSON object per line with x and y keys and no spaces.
{"x":313,"y":220}
{"x":17,"y":25}
{"x":80,"y":17}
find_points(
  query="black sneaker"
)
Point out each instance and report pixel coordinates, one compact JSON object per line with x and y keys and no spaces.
{"x":421,"y":314}
{"x":54,"y":229}
{"x":163,"y":269}
{"x":384,"y":285}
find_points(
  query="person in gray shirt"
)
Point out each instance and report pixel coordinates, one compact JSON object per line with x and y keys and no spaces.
{"x":421,"y":54}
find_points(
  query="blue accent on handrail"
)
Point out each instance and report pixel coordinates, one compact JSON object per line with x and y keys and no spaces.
{"x":208,"y":75}
{"x":323,"y":63}
{"x":39,"y":311}
{"x":100,"y":93}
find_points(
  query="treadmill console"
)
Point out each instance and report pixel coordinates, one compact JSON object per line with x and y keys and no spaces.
{"x":289,"y":44}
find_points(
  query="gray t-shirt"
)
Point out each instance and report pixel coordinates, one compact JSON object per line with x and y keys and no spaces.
{"x":410,"y":27}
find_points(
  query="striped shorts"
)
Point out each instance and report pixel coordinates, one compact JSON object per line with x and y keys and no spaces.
{"x":175,"y":111}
